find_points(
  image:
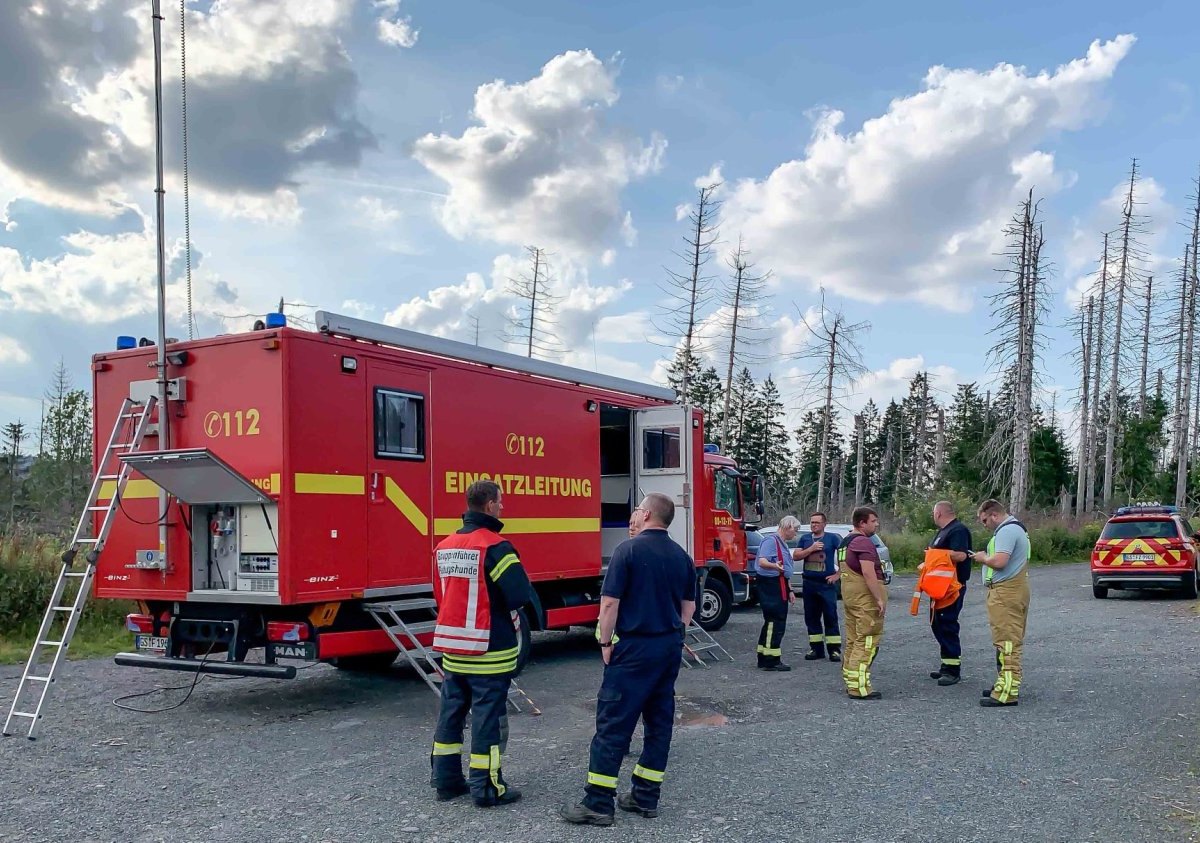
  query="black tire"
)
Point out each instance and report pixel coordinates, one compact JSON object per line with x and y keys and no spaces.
{"x":1191,"y":587}
{"x":367,"y":663}
{"x":524,"y":641}
{"x":715,"y":605}
{"x":1099,"y":592}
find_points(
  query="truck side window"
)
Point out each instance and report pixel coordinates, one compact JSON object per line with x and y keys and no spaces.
{"x":725,"y":486}
{"x":660,"y":448}
{"x":399,"y":424}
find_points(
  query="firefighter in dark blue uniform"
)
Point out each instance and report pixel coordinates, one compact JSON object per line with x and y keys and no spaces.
{"x":952,"y":535}
{"x":818,"y":551}
{"x":646,"y":604}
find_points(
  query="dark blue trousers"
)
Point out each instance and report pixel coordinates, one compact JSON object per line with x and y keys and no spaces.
{"x":945,"y":630}
{"x":639,"y":681}
{"x":486,"y":698}
{"x":821,"y":616}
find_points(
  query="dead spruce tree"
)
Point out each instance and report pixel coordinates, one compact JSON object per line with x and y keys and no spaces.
{"x":1098,"y":358}
{"x":1189,"y":290}
{"x":532,"y":321}
{"x":742,"y":303}
{"x":1087,"y":316}
{"x":833,"y":350}
{"x":690,"y":292}
{"x":1019,"y":308}
{"x":1130,"y":256}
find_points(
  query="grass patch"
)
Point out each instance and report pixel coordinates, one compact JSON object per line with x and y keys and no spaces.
{"x":29,"y":567}
{"x":1053,"y":545}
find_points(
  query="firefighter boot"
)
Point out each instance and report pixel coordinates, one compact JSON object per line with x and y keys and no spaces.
{"x":816,"y":648}
{"x":835,"y":652}
{"x":626,"y":802}
{"x":581,"y":814}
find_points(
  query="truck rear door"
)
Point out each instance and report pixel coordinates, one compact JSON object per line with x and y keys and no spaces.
{"x":664,"y":463}
{"x":399,"y":521}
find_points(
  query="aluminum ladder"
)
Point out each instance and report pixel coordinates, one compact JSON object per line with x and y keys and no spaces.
{"x":697,"y":641}
{"x":388,"y":617}
{"x":425,"y":662}
{"x":71,"y":591}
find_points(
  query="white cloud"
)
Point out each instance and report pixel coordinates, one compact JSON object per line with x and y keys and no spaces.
{"x":884,"y":385}
{"x":609,"y":257}
{"x":393,"y":29}
{"x":1086,"y":243}
{"x":541,"y":167}
{"x":669,"y":84}
{"x":102,"y":278}
{"x":80,"y":132}
{"x":12,"y":352}
{"x":911,"y":205}
{"x":452,"y":310}
{"x":372,"y":212}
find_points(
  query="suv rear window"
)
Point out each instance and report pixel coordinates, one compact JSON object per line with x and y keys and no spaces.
{"x":1156,"y":529}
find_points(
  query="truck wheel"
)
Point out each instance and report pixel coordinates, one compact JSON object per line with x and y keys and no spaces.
{"x":367,"y":663}
{"x":1099,"y":591}
{"x":1191,"y":588}
{"x":715,"y":605}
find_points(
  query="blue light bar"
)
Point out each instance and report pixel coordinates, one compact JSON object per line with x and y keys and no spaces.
{"x":1147,"y":509}
{"x":276,"y":320}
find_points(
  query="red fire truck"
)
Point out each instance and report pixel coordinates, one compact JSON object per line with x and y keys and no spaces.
{"x":310,"y":474}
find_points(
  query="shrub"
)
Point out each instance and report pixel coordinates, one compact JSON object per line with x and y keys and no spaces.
{"x":29,"y":566}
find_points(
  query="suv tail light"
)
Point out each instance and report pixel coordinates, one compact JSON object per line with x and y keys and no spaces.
{"x":139,"y":623}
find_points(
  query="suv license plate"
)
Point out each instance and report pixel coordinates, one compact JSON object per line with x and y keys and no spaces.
{"x":1138,"y":557}
{"x":150,"y":643}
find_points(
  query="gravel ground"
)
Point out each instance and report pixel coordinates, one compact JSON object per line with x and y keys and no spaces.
{"x":1103,"y":746}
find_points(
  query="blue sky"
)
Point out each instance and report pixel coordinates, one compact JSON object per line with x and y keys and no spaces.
{"x":356,"y":165}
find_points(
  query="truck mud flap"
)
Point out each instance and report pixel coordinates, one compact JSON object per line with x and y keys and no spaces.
{"x":268,"y":671}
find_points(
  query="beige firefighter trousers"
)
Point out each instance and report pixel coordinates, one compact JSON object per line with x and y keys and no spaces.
{"x":1007,"y":608}
{"x":863,"y":632}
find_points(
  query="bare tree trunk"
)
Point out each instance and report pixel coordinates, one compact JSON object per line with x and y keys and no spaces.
{"x":1191,"y":292}
{"x":919,"y":438}
{"x":827,"y":412}
{"x":1084,"y":418}
{"x":858,"y":464}
{"x":743,"y":294}
{"x":1110,"y":444}
{"x":1027,"y":292}
{"x":1146,"y":347}
{"x":1094,"y":427}
{"x":939,"y":455}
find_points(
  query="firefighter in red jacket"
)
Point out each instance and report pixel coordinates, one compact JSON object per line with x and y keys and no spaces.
{"x":480,"y":585}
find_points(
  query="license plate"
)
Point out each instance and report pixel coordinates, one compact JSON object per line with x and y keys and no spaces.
{"x":153,"y":643}
{"x":1138,"y":557}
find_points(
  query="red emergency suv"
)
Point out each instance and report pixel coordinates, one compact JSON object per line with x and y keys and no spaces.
{"x":1147,"y":546}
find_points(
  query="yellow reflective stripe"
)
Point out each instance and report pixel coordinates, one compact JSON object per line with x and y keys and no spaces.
{"x":502,"y":566}
{"x":1008,"y":648}
{"x":484,"y":658}
{"x":648,"y":774}
{"x":816,"y":639}
{"x":479,"y":762}
{"x":494,"y":773}
{"x":952,"y":661}
{"x":833,"y":639}
{"x":526,"y":526}
{"x":602,"y":781}
{"x":330,"y":484}
{"x":406,"y":506}
{"x":134,"y":490}
{"x":769,"y":651}
{"x":446,"y":748}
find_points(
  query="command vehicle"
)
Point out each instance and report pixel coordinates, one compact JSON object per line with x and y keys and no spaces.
{"x":1146,"y":546}
{"x":310,"y":475}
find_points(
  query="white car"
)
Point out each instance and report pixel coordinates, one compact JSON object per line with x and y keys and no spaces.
{"x":839,"y":530}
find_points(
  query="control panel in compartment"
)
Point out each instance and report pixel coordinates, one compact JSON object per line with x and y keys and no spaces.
{"x":235,"y":547}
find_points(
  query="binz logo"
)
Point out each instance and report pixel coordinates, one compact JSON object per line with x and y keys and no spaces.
{"x":118,"y":577}
{"x":330,"y":578}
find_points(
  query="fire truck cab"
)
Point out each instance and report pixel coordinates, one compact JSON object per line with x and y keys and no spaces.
{"x":310,"y":475}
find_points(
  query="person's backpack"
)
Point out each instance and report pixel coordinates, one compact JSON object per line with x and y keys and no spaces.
{"x":938,"y":578}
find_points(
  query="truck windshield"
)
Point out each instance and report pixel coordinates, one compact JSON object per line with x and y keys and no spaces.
{"x":1156,"y":529}
{"x":726,"y":488}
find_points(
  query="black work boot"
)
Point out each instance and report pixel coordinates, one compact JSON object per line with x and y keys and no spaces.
{"x":626,"y":802}
{"x":948,"y":679}
{"x":813,"y":654}
{"x":509,"y":796}
{"x":835,"y":654}
{"x":991,"y":702}
{"x":581,"y":814}
{"x":445,"y":794}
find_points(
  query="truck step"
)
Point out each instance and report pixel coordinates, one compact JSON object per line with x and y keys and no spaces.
{"x":409,"y":604}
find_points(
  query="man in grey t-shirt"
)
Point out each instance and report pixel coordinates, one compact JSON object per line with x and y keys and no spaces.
{"x":1006,"y":576}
